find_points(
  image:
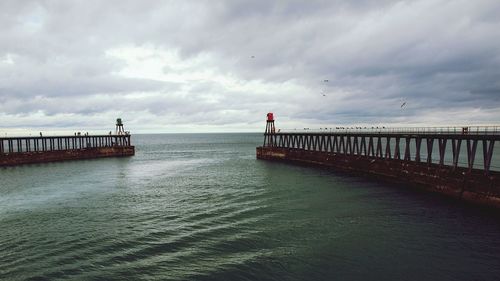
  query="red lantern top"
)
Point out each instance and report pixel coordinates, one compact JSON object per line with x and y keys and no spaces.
{"x":270,"y":116}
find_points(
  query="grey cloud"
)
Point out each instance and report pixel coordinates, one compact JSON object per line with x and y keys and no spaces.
{"x":435,"y":54}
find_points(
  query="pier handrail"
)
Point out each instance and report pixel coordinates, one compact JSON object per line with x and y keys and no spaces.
{"x":59,"y":136}
{"x":449,"y":130}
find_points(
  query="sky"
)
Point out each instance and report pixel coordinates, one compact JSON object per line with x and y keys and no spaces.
{"x":220,"y":66}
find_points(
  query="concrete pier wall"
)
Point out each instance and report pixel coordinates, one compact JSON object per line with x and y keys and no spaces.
{"x":20,"y":158}
{"x":471,"y":185}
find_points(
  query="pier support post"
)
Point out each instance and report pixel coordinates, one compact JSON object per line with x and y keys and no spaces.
{"x":487,"y":154}
{"x":418,"y":144}
{"x":356,"y":146}
{"x":407,"y":149}
{"x":442,"y":150}
{"x":371,"y":149}
{"x":397,"y":150}
{"x":388,"y":148}
{"x":430,"y":144}
{"x":471,"y":153}
{"x":379,"y":147}
{"x":456,"y":151}
{"x":363,"y":146}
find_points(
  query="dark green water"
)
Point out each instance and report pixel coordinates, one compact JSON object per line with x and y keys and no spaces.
{"x":200,"y":207}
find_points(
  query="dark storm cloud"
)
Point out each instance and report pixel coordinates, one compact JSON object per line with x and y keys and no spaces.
{"x":438,"y":56}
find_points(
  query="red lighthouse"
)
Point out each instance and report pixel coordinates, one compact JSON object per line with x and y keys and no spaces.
{"x":270,"y":117}
{"x":270,"y":130}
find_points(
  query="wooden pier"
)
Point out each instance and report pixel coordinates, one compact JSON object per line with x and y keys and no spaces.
{"x":452,"y":161}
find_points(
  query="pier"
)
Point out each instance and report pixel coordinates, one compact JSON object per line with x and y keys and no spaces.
{"x":26,"y":150}
{"x":448,"y":160}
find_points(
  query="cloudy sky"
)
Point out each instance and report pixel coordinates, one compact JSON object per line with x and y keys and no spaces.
{"x":220,"y":66}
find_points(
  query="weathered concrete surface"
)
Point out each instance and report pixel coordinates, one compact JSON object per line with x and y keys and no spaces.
{"x":472,"y":186}
{"x":13,"y":159}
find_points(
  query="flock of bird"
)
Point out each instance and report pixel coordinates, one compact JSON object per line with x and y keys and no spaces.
{"x":323,"y":91}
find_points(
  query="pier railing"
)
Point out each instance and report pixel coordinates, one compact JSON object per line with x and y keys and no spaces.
{"x":448,"y":130}
{"x":456,"y":146}
{"x":9,"y":145}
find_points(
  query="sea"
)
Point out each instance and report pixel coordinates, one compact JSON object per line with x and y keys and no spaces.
{"x":202,"y":207}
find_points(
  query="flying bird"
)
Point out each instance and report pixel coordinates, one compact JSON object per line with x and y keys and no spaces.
{"x":403,"y":105}
{"x":252,"y":57}
{"x":323,"y":91}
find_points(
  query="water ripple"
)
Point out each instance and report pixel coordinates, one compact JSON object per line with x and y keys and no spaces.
{"x":200,"y":207}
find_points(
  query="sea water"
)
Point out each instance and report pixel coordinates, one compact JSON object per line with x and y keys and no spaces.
{"x":201,"y":207}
